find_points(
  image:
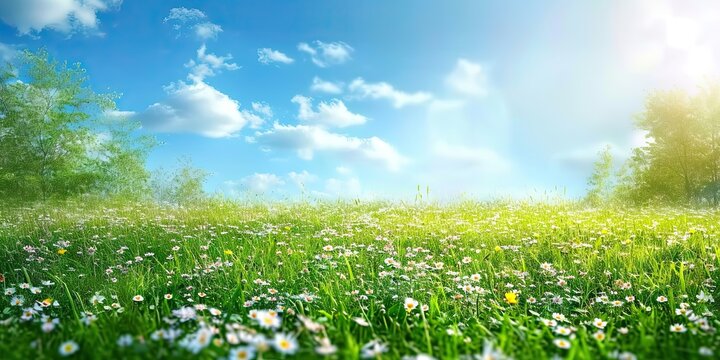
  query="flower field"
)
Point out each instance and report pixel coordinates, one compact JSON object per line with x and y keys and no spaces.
{"x":352,"y":280}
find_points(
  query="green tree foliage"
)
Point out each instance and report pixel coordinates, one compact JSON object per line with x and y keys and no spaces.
{"x":182,"y":186}
{"x":681,"y":163}
{"x":600,"y":183}
{"x":56,"y":140}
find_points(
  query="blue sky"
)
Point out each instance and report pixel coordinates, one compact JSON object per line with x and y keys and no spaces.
{"x":372,"y":98}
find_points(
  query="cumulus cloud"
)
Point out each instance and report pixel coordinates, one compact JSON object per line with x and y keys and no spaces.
{"x":467,"y":78}
{"x":326,"y":54}
{"x":207,"y":30}
{"x":262,"y":182}
{"x":349,"y":187}
{"x":331,"y":114}
{"x":306,"y":140}
{"x":208,"y":64}
{"x":197,"y":108}
{"x":183,"y":14}
{"x":383,"y":90}
{"x":7,"y":52}
{"x":302,"y":179}
{"x":263,"y":109}
{"x":33,"y":16}
{"x":329,"y":87}
{"x":267,"y":56}
{"x":195,"y":20}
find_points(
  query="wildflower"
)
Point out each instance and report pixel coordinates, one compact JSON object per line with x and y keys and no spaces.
{"x":185,"y":313}
{"x":678,"y":328}
{"x":705,"y":351}
{"x":48,"y":324}
{"x":138,"y":298}
{"x":511,"y":298}
{"x":360,"y":321}
{"x":372,"y":349}
{"x":168,"y":296}
{"x":242,"y":353}
{"x":17,"y":300}
{"x":704,"y":298}
{"x":68,"y":348}
{"x":125,"y":340}
{"x":198,"y":341}
{"x":561,"y":330}
{"x":228,"y":252}
{"x":97,"y":299}
{"x":562,"y":343}
{"x":285,"y":344}
{"x":410,"y":304}
{"x":683,"y":311}
{"x":325,"y":347}
{"x":662,"y":299}
{"x":599,"y":335}
{"x":598,"y":323}
{"x":268,"y":319}
{"x":62,"y":252}
{"x":490,"y":353}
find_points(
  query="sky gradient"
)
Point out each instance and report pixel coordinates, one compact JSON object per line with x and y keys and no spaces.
{"x":373,"y":98}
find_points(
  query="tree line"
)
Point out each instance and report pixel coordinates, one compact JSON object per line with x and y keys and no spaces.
{"x":59,"y":139}
{"x":679,"y":164}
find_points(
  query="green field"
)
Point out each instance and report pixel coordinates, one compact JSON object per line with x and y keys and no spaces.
{"x":352,"y":280}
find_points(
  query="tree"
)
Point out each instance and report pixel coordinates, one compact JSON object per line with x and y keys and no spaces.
{"x":182,"y":186}
{"x":600,"y":183}
{"x":55,"y":138}
{"x":681,"y":163}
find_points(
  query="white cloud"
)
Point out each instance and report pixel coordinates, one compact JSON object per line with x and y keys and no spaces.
{"x":7,"y":52}
{"x":333,"y":113}
{"x":197,"y":108}
{"x":329,"y":87}
{"x":302,"y":179}
{"x":350,"y":187}
{"x":118,"y":114}
{"x":207,"y":30}
{"x":343,"y":170}
{"x":467,"y":78}
{"x":207,"y":64}
{"x":65,"y":16}
{"x":183,"y":14}
{"x":194,"y":20}
{"x":267,"y":56}
{"x":326,"y":54}
{"x":306,"y":140}
{"x":383,"y":90}
{"x":262,"y":109}
{"x":262,"y":183}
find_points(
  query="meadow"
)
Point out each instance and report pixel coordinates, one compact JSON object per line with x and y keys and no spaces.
{"x":358,"y":280}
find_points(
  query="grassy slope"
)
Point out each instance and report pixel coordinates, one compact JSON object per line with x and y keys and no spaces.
{"x":664,"y":252}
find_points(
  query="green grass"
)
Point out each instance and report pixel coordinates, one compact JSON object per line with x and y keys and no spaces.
{"x":337,"y":263}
